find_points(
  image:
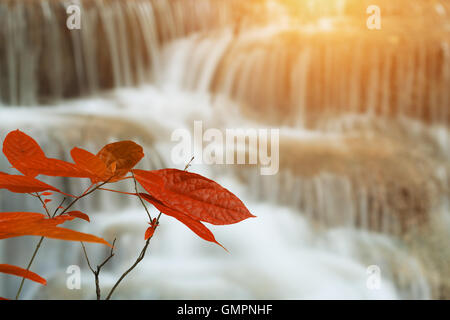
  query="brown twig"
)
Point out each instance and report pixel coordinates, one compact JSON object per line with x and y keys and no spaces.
{"x":83,"y":195}
{"x":189,"y":163}
{"x":59,"y":206}
{"x":140,"y":198}
{"x":29,"y":266}
{"x":43,"y":204}
{"x":99,"y":268}
{"x":139,"y":259}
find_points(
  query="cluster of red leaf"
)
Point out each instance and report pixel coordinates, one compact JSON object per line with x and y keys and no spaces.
{"x":188,"y":197}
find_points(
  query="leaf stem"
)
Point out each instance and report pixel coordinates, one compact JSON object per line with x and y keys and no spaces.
{"x":140,"y":198}
{"x":43,"y":204}
{"x":29,"y":266}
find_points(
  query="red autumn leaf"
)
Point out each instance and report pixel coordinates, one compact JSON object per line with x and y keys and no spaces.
{"x":25,"y":154}
{"x":194,"y":195}
{"x":79,"y":214}
{"x":149,"y":232}
{"x":19,"y":148}
{"x":90,"y":163}
{"x":47,"y":201}
{"x":120,"y":158}
{"x":46,"y":194}
{"x":56,"y":168}
{"x":16,"y":224}
{"x":196,"y":226}
{"x":1,"y":298}
{"x":17,"y":271}
{"x":23,"y":184}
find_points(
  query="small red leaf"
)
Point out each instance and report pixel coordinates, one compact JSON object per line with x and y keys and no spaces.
{"x":79,"y":214}
{"x":194,"y":195}
{"x":47,"y":201}
{"x":149,"y":232}
{"x":17,"y":271}
{"x":46,"y":193}
{"x":23,"y":184}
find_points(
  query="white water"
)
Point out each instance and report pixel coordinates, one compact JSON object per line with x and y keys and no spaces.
{"x":279,"y":255}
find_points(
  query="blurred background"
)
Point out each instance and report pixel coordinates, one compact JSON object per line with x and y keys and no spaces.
{"x":364,"y":141}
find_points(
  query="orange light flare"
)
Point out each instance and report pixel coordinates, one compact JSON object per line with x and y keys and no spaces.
{"x":340,"y":15}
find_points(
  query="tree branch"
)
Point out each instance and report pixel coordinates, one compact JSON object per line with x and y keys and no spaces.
{"x":139,"y":259}
{"x":99,"y":268}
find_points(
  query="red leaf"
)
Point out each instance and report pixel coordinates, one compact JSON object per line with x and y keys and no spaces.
{"x":19,"y":148}
{"x":149,"y":232}
{"x":25,"y":154}
{"x":46,"y":193}
{"x":194,"y":195}
{"x":17,"y":271}
{"x":16,"y":224}
{"x":79,"y":214}
{"x":1,"y":298}
{"x":120,"y":158}
{"x":23,"y":184}
{"x":47,"y":201}
{"x":56,"y":168}
{"x":196,"y":226}
{"x":90,"y":163}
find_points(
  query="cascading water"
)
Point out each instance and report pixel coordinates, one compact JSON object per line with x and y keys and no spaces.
{"x":364,"y":140}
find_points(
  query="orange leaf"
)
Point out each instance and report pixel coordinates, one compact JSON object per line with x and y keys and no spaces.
{"x":149,"y":232}
{"x":19,"y":148}
{"x":196,"y":226}
{"x":16,"y":224}
{"x":90,"y":163}
{"x":23,"y":184}
{"x":25,"y":154}
{"x":46,"y":193}
{"x":17,"y":271}
{"x":79,"y":214}
{"x":194,"y":195}
{"x":47,"y":201}
{"x":120,"y":158}
{"x":56,"y":168}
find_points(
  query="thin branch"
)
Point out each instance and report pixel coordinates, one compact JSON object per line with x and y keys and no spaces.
{"x":85,"y":193}
{"x":29,"y":266}
{"x":139,"y":259}
{"x":140,"y":198}
{"x":59,"y":206}
{"x":43,"y":204}
{"x":189,"y":163}
{"x":87,"y":258}
{"x":99,"y":268}
{"x":117,"y":191}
